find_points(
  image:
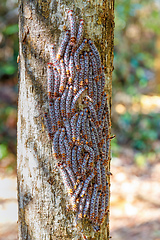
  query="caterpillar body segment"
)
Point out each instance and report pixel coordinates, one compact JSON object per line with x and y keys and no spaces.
{"x":86,"y":68}
{"x":57,"y":112}
{"x":74,"y":161}
{"x":56,"y":144}
{"x":86,"y":183}
{"x":93,"y":201}
{"x":50,"y":77}
{"x":78,"y":127}
{"x":49,"y":125}
{"x":68,"y":130}
{"x":97,"y":55}
{"x":80,"y":32}
{"x":68,"y":151}
{"x":67,"y":58}
{"x":66,"y":179}
{"x":63,"y":102}
{"x":63,"y":45}
{"x":96,"y":209}
{"x":87,"y":203}
{"x":69,"y":101}
{"x":72,"y":26}
{"x":52,"y":115}
{"x":56,"y":82}
{"x":61,"y":144}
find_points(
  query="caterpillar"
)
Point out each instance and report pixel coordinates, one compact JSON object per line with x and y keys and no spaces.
{"x":96,"y":209}
{"x":86,"y":183}
{"x":84,"y":164}
{"x":103,"y":208}
{"x":95,"y":94}
{"x":81,"y":72}
{"x":68,"y":130}
{"x":96,"y":133}
{"x":52,"y":115}
{"x":96,"y":54}
{"x":87,"y":203}
{"x":63,"y":102}
{"x":92,"y":155}
{"x":100,"y":112}
{"x":57,"y":111}
{"x":66,"y":58}
{"x":78,"y":127}
{"x":104,"y":151}
{"x":80,"y":32}
{"x":93,"y":112}
{"x":94,"y":64}
{"x":73,"y":27}
{"x":100,"y":129}
{"x":76,"y":193}
{"x":88,"y":133}
{"x":71,"y":68}
{"x":84,"y":118}
{"x":81,"y":207}
{"x":68,"y":151}
{"x":63,"y":45}
{"x":95,"y":144}
{"x":99,"y":93}
{"x":74,"y":161}
{"x":76,"y":83}
{"x":62,"y":83}
{"x":56,"y":82}
{"x":50,"y":81}
{"x":56,"y":144}
{"x":71,"y":175}
{"x":93,"y":201}
{"x":103,"y":174}
{"x":99,"y":177}
{"x":68,"y":102}
{"x":73,"y":126}
{"x":86,"y":68}
{"x":49,"y":125}
{"x":90,"y":83}
{"x":79,"y":154}
{"x":77,"y":52}
{"x":61,"y":144}
{"x":66,"y":179}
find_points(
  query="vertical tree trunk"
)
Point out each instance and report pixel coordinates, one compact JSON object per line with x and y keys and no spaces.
{"x":41,"y":194}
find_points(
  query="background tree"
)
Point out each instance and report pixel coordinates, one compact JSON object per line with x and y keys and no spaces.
{"x":41,"y":194}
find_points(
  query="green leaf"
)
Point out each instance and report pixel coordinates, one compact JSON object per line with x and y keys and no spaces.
{"x":9,"y":30}
{"x":3,"y":151}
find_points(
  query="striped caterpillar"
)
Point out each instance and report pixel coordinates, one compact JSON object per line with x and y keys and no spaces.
{"x":78,"y":122}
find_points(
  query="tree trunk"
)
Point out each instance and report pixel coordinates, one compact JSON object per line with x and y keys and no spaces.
{"x":41,"y":195}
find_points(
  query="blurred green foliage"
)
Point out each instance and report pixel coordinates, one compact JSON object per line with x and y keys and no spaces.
{"x":136,"y":30}
{"x":8,"y":37}
{"x":8,"y":82}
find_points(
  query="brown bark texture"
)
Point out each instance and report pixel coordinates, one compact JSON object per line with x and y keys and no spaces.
{"x":41,"y":194}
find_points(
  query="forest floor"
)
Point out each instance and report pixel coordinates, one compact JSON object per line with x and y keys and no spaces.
{"x":135,"y":201}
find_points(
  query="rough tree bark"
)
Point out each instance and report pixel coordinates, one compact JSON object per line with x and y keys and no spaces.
{"x":41,"y":194}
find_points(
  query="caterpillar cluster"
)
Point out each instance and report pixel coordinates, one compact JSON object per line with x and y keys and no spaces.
{"x":78,"y":122}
